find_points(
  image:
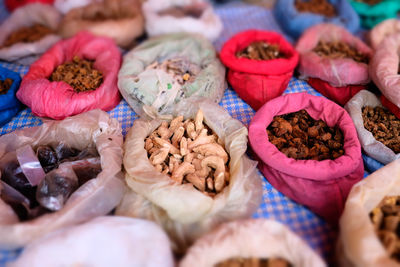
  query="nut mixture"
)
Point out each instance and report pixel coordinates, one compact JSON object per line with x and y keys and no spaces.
{"x":5,"y":86}
{"x":384,"y":126}
{"x":189,"y":152}
{"x":370,"y":2}
{"x":27,"y":35}
{"x":182,"y":11}
{"x":336,"y":49}
{"x":299,"y":136}
{"x":385,"y":218}
{"x":260,"y":50}
{"x":78,"y":73}
{"x":322,"y":7}
{"x":254,"y":262}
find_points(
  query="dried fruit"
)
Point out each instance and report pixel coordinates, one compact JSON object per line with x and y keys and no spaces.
{"x":79,"y":74}
{"x":260,"y":50}
{"x":370,"y":2}
{"x":254,"y":262}
{"x":384,"y":126}
{"x":299,"y":136}
{"x":27,"y":35}
{"x":5,"y":86}
{"x":338,"y":49}
{"x":182,"y":11}
{"x":322,"y":7}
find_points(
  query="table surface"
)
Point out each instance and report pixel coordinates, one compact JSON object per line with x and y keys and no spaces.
{"x":236,"y":17}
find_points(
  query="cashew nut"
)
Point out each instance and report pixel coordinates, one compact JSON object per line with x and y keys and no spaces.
{"x":178,"y":136}
{"x":183,"y":146}
{"x":216,"y":163}
{"x":190,"y":130}
{"x":210,"y":184}
{"x":199,"y":121}
{"x":175,"y":123}
{"x":148,"y":144}
{"x":189,"y":157}
{"x":184,"y":169}
{"x":165,"y":143}
{"x":199,"y":183}
{"x":163,"y":130}
{"x":212,"y":149}
{"x":202,"y":139}
{"x":159,"y":156}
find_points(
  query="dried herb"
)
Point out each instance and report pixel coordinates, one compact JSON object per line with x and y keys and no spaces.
{"x":322,"y":7}
{"x":260,"y":50}
{"x":27,"y":35}
{"x":337,"y":49}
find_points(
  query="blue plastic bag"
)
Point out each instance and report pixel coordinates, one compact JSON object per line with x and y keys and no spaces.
{"x":9,"y":104}
{"x":371,"y":164}
{"x":294,"y":23}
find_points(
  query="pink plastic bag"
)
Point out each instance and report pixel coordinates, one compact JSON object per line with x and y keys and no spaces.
{"x":58,"y":100}
{"x":383,"y":30}
{"x":320,"y":185}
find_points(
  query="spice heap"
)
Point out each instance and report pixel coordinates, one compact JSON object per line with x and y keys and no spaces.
{"x":336,"y":49}
{"x":189,"y":152}
{"x":27,"y":35}
{"x":322,"y":7}
{"x":5,"y":86}
{"x":386,"y":218}
{"x":260,"y":50}
{"x":79,"y":74}
{"x":182,"y":11}
{"x":181,"y":70}
{"x":384,"y":126}
{"x":370,"y":2}
{"x":299,"y":136}
{"x":254,"y":262}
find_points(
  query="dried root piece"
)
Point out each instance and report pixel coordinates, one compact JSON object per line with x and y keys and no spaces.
{"x":5,"y":86}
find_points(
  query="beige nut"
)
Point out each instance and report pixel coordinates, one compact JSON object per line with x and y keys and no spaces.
{"x":183,"y":169}
{"x":188,"y":157}
{"x":173,"y":164}
{"x":148,"y":144}
{"x":216,"y":163}
{"x":213,"y":149}
{"x":198,"y":122}
{"x":159,"y":156}
{"x":183,"y":146}
{"x":158,"y":167}
{"x":177,"y":136}
{"x":176,"y":123}
{"x":198,"y":182}
{"x":202,"y":139}
{"x":163,"y":131}
{"x":165,"y":143}
{"x":190,"y":130}
{"x":210,"y":183}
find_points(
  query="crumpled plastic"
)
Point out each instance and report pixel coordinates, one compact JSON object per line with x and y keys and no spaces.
{"x":295,"y":23}
{"x":208,"y":24}
{"x":13,"y":4}
{"x":66,"y":5}
{"x":184,"y":212}
{"x":149,"y":92}
{"x":58,"y":100}
{"x":358,"y":243}
{"x":250,"y":239}
{"x":94,"y":198}
{"x":320,"y":185}
{"x":383,"y":30}
{"x":127,"y":21}
{"x":9,"y":104}
{"x":102,"y":242}
{"x":28,"y":15}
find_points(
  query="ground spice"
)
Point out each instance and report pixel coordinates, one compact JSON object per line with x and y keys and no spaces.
{"x":337,"y":49}
{"x":260,"y":50}
{"x":27,"y":35}
{"x":370,"y":2}
{"x":254,"y":262}
{"x":5,"y":85}
{"x":322,"y":7}
{"x":182,"y":11}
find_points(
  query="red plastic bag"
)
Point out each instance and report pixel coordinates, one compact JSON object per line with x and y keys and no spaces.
{"x":13,"y":4}
{"x":58,"y":100}
{"x":258,"y":81}
{"x":322,"y":186}
{"x":390,"y":106}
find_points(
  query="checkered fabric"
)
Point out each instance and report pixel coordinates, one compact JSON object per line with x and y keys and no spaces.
{"x":236,"y":17}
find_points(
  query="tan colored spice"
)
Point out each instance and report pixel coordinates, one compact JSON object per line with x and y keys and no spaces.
{"x":260,"y":50}
{"x":27,"y":35}
{"x":337,"y":49}
{"x":322,"y":7}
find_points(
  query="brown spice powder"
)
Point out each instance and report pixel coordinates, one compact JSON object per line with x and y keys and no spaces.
{"x":322,"y":7}
{"x":260,"y":50}
{"x":5,"y":86}
{"x":27,"y":35}
{"x":336,"y":49}
{"x":254,"y":262}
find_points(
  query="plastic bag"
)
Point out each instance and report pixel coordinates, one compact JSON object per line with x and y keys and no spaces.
{"x":253,"y":238}
{"x":295,"y":23}
{"x":103,"y":241}
{"x":320,"y":185}
{"x":58,"y":100}
{"x":9,"y":104}
{"x":184,"y":212}
{"x":154,"y":92}
{"x":358,"y":242}
{"x":256,"y":81}
{"x":27,"y":16}
{"x":66,"y":5}
{"x":13,"y":4}
{"x":121,"y":20}
{"x":371,"y":15}
{"x":94,"y":198}
{"x":195,"y":16}
{"x":383,"y":30}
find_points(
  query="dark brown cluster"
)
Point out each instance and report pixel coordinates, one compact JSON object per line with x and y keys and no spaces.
{"x":182,"y":11}
{"x":80,"y":74}
{"x":27,"y":35}
{"x":260,"y":50}
{"x":5,"y":86}
{"x":385,"y":218}
{"x":254,"y":262}
{"x":337,"y":49}
{"x":370,"y":2}
{"x":299,"y":136}
{"x":383,"y":125}
{"x":322,"y":7}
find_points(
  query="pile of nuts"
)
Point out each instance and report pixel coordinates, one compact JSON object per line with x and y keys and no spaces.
{"x":370,"y":2}
{"x":79,"y":74}
{"x":299,"y":136}
{"x":322,"y":7}
{"x":27,"y":35}
{"x":384,"y":126}
{"x":338,"y":49}
{"x":260,"y":50}
{"x":385,"y":218}
{"x":5,"y":86}
{"x":182,"y":11}
{"x":254,"y":262}
{"x":189,"y":152}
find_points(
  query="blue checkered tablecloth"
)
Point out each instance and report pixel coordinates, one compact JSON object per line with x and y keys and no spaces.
{"x":236,"y":17}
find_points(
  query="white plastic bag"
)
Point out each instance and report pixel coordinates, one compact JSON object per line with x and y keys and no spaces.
{"x":66,"y":5}
{"x":27,"y":16}
{"x":255,"y":238}
{"x":94,"y":198}
{"x":184,"y":212}
{"x":208,"y":23}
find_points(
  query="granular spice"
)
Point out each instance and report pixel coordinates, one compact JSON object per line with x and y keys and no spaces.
{"x":384,"y":126}
{"x":299,"y":136}
{"x":370,"y":2}
{"x":254,"y":262}
{"x":322,"y":7}
{"x":80,"y":74}
{"x":5,"y":86}
{"x":260,"y":50}
{"x":338,"y":49}
{"x":182,"y":11}
{"x":27,"y":35}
